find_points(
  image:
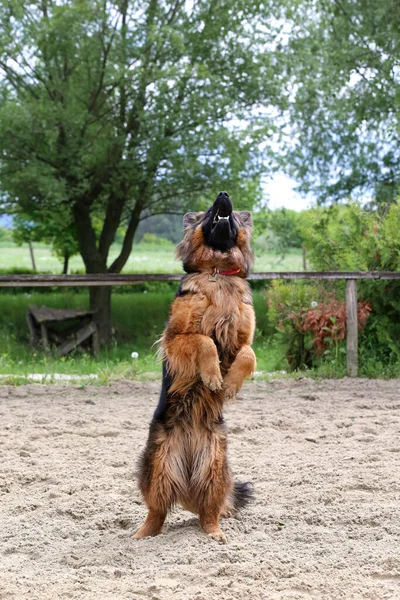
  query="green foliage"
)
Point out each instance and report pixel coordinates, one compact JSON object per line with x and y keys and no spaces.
{"x":340,"y":62}
{"x":123,"y":110}
{"x":351,"y":238}
{"x":285,"y":225}
{"x":310,"y":323}
{"x":153,"y":239}
{"x":169,"y":227}
{"x":287,"y":303}
{"x":57,"y":230}
{"x":261,"y":219}
{"x":278,"y":231}
{"x":5,"y":234}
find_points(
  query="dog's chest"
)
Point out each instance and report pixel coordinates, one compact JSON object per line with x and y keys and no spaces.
{"x":222,"y":317}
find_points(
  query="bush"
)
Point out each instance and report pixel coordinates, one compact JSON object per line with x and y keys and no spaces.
{"x":155,"y":240}
{"x":309,"y":321}
{"x":5,"y":234}
{"x":351,"y":238}
{"x":287,"y":303}
{"x":327,"y":322}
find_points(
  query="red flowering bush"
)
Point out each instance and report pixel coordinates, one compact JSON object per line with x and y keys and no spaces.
{"x":327,"y":322}
{"x":309,"y":320}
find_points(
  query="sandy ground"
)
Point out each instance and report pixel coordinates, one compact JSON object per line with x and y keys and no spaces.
{"x":324,"y":458}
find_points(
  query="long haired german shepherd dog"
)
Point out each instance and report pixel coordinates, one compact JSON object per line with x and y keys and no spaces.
{"x":206,"y":356}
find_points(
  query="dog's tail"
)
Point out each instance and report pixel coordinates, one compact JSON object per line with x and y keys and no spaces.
{"x":243,"y":493}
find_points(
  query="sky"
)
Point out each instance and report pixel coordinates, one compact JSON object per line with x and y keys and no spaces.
{"x":281,"y":193}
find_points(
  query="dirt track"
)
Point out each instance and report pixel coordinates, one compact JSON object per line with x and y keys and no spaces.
{"x":324,"y":458}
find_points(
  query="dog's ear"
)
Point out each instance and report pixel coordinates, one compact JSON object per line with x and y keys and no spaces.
{"x":191,"y":219}
{"x":246,"y":218}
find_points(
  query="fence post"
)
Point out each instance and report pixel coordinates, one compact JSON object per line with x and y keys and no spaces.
{"x":352,"y":328}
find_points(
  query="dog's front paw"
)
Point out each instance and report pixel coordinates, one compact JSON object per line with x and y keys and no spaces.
{"x":212,"y":379}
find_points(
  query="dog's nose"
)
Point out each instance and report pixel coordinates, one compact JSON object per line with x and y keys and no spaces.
{"x":223,"y":205}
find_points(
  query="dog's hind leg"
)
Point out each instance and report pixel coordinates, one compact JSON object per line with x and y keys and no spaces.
{"x":161,"y":479}
{"x":152,"y":525}
{"x":212,"y":484}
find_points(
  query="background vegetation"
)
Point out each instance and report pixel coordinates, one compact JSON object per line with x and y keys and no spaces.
{"x":117,"y":117}
{"x":342,"y":237}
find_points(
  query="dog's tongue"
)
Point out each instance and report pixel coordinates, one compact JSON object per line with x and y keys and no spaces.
{"x":223,"y":205}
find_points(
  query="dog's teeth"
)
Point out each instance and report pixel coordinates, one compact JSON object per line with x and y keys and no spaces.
{"x":218,"y":218}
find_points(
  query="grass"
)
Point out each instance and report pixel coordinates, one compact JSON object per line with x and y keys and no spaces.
{"x":144,"y":258}
{"x":138,"y":318}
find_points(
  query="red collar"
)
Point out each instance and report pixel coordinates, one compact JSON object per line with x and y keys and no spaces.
{"x":231,"y":272}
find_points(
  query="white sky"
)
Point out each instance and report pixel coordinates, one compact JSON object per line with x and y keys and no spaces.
{"x":280,"y":193}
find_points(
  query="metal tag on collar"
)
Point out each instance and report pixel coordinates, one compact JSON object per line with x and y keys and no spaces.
{"x":213,"y":276}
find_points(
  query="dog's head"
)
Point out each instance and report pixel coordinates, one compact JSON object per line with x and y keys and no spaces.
{"x":217,"y":239}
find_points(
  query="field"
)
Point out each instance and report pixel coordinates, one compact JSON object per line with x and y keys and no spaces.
{"x":145,"y":258}
{"x":139,"y":317}
{"x":324,"y":458}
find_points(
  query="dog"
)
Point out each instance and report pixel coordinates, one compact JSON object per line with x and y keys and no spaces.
{"x":207,"y":354}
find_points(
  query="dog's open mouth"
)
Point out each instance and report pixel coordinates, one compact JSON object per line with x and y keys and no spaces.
{"x":219,"y":225}
{"x":222,"y":210}
{"x":219,"y":218}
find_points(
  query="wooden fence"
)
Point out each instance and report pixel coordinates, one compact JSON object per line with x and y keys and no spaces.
{"x":124,"y":279}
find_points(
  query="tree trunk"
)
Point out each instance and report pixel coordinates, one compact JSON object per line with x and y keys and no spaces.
{"x":96,"y":260}
{"x":100,"y":297}
{"x":32,"y":256}
{"x":304,"y":258}
{"x":100,"y":301}
{"x":65,"y":266}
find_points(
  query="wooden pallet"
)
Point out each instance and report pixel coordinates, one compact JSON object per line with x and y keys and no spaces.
{"x":42,"y":319}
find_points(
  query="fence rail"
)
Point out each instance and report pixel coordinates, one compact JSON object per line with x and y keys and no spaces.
{"x":108,"y":279}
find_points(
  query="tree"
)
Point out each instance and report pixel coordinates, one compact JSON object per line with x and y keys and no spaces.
{"x":110,"y":110}
{"x":340,"y":77}
{"x":285,"y":224}
{"x":167,"y":226}
{"x":5,"y":234}
{"x":351,"y":238}
{"x":57,"y":230}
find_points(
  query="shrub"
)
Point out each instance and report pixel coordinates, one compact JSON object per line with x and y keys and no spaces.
{"x":309,"y":320}
{"x":153,"y":239}
{"x":287,"y":303}
{"x":351,"y":238}
{"x":327,"y":322}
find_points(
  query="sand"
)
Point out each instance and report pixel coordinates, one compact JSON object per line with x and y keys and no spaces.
{"x":324,"y":458}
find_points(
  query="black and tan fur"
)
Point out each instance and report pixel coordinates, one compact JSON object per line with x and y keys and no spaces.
{"x":207,"y":354}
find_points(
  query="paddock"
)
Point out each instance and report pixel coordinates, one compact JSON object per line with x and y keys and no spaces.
{"x":324,"y":457}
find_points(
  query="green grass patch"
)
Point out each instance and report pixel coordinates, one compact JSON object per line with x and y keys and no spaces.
{"x":139,"y":320}
{"x":144,"y":258}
